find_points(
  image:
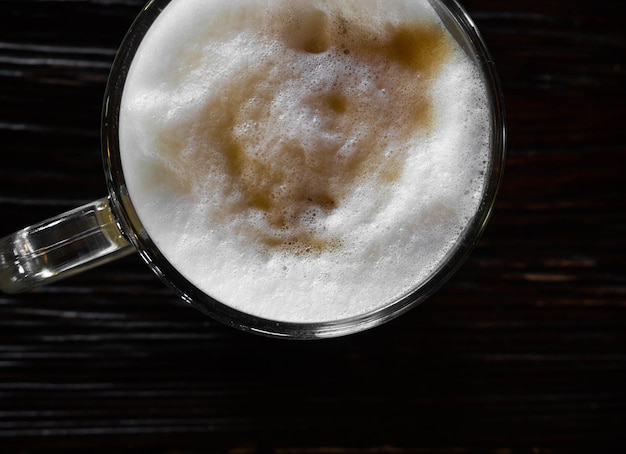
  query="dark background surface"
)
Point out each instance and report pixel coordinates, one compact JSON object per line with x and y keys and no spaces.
{"x":524,"y":350}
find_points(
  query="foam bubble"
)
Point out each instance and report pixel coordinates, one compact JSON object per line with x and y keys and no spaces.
{"x":303,"y":160}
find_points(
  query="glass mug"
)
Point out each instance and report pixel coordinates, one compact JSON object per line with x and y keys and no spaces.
{"x":109,"y":228}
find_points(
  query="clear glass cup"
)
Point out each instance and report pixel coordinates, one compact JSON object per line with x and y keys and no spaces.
{"x":109,"y":228}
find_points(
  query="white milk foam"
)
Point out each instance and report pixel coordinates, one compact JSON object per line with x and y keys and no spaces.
{"x":304,"y":161}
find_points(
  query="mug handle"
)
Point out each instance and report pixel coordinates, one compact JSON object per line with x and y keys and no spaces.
{"x":61,"y":246}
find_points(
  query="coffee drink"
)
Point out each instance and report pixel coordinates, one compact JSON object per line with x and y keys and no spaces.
{"x":304,"y":160}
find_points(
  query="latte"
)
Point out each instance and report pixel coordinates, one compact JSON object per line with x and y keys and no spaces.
{"x":304,"y":160}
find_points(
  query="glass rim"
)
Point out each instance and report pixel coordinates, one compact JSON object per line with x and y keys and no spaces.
{"x":458,"y":21}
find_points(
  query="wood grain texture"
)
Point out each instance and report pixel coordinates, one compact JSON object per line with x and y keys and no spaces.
{"x":524,"y":350}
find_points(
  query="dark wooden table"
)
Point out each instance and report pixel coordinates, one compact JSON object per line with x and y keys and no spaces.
{"x":524,"y":350}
